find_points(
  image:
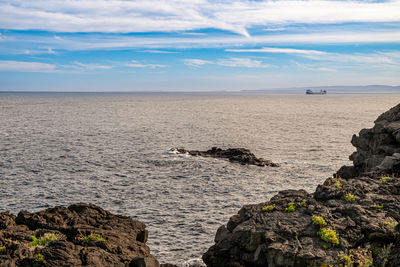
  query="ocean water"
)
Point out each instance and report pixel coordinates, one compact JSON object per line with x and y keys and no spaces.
{"x":112,"y":150}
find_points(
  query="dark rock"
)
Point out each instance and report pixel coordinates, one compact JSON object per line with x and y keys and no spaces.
{"x":240,"y":155}
{"x":86,"y":235}
{"x":361,"y":206}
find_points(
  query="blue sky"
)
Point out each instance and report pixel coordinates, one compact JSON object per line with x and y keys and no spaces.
{"x":196,"y":45}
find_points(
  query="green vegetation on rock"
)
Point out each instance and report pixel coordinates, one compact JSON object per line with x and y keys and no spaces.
{"x":268,"y":208}
{"x":318,"y":220}
{"x":92,"y":237}
{"x":389,"y":223}
{"x":302,"y":204}
{"x":2,"y":249}
{"x":338,"y":184}
{"x":384,"y":179}
{"x":328,"y":235}
{"x":349,"y":197}
{"x":291,"y":207}
{"x":39,"y":257}
{"x":379,"y":206}
{"x":43,"y":240}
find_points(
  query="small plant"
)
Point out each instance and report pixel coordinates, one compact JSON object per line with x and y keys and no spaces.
{"x":349,"y":197}
{"x":2,"y":249}
{"x":318,"y":220}
{"x":92,"y":237}
{"x":268,"y":208}
{"x":39,"y":257}
{"x":43,"y":240}
{"x":384,"y":179}
{"x":338,"y":184}
{"x":291,"y":207}
{"x":324,"y":246}
{"x":347,"y":259}
{"x":389,"y":223}
{"x":302,"y":204}
{"x":328,"y":235}
{"x":379,"y":206}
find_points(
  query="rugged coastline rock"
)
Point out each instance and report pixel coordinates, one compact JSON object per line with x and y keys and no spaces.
{"x":80,"y":235}
{"x":351,"y":219}
{"x":240,"y":155}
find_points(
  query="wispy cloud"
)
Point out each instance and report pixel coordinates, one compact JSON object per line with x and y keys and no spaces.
{"x":85,"y":66}
{"x":194,"y":62}
{"x":227,"y":62}
{"x":24,"y":66}
{"x":159,"y":52}
{"x":135,"y":64}
{"x":181,"y":15}
{"x":358,"y":58}
{"x":242,"y":62}
{"x":114,"y":41}
{"x":278,"y":50}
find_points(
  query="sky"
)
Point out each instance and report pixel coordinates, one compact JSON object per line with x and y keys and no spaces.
{"x":197,"y":45}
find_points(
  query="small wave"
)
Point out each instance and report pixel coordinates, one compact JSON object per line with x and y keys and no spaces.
{"x":193,"y":263}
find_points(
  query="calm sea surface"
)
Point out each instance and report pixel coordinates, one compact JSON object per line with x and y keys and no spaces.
{"x":112,"y":150}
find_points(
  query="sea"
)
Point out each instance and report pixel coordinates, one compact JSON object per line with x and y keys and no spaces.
{"x":112,"y":149}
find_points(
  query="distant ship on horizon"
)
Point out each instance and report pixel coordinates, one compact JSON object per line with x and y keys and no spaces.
{"x":310,"y":92}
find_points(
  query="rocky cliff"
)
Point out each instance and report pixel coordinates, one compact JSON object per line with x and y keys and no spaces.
{"x":351,"y":219}
{"x":80,"y":235}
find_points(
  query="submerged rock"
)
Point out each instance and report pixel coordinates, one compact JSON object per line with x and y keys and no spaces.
{"x":240,"y":155}
{"x":80,"y":235}
{"x":351,"y":219}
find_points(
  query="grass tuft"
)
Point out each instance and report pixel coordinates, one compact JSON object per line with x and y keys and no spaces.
{"x":39,"y":257}
{"x":302,"y":204}
{"x":43,"y":240}
{"x":349,"y":198}
{"x":268,"y":208}
{"x":92,"y":237}
{"x":384,"y":179}
{"x":291,"y":207}
{"x":318,"y":220}
{"x":328,"y":235}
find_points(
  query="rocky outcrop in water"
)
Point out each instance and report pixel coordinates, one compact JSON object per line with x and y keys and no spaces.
{"x":352,"y":219}
{"x":240,"y":155}
{"x":80,"y":235}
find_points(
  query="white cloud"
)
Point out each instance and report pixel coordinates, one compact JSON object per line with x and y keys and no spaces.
{"x":1,"y":36}
{"x":227,"y":62}
{"x":193,"y":62}
{"x":241,"y":62}
{"x":24,"y":66}
{"x":119,"y":16}
{"x":112,"y":41}
{"x":357,"y":58}
{"x":84,"y":66}
{"x":279,"y":50}
{"x":136,"y":64}
{"x":158,"y":52}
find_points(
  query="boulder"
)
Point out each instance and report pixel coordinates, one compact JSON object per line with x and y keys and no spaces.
{"x":80,"y":235}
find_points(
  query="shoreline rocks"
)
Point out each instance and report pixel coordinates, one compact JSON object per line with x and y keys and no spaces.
{"x":80,"y":235}
{"x":352,"y":218}
{"x":240,"y":155}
